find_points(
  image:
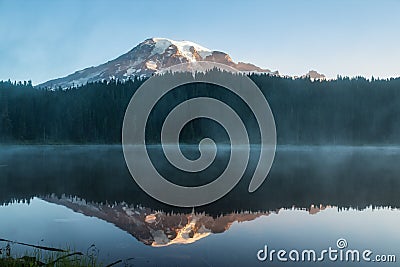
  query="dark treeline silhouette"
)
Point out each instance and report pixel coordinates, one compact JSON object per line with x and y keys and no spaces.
{"x":352,"y":111}
{"x":91,"y":113}
{"x":342,"y":177}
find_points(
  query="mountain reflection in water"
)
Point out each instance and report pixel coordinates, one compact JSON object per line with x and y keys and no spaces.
{"x":159,"y":228}
{"x":149,"y":237}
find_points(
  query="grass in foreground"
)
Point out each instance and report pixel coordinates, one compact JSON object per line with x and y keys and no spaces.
{"x":54,"y":259}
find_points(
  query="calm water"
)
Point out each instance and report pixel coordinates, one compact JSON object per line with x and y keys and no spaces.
{"x":74,"y":196}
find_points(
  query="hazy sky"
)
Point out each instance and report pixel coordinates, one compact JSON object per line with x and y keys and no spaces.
{"x":41,"y":40}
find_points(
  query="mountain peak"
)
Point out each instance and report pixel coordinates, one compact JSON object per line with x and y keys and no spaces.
{"x":187,"y":49}
{"x":314,"y":75}
{"x":149,"y":56}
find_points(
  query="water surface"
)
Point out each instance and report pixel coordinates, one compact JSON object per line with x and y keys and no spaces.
{"x":76,"y":196}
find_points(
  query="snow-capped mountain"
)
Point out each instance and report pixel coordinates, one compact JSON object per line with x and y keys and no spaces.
{"x":148,"y":57}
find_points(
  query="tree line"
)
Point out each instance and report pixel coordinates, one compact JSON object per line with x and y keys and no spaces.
{"x":355,"y":111}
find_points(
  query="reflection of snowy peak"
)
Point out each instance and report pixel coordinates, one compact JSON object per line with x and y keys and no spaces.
{"x":148,"y":57}
{"x":158,"y":228}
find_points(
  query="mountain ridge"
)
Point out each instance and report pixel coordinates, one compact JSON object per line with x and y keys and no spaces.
{"x":148,"y":57}
{"x":153,"y":55}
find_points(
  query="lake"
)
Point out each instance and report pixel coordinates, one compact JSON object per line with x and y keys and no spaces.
{"x":317,"y":198}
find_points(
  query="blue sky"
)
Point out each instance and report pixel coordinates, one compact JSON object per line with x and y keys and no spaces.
{"x":41,"y":40}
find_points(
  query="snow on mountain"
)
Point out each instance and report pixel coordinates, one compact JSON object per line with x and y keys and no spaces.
{"x":148,"y":57}
{"x":184,"y":47}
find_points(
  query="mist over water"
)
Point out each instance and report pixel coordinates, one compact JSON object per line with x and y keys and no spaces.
{"x":300,"y":176}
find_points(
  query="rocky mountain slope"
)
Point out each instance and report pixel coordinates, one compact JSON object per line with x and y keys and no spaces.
{"x":148,"y":57}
